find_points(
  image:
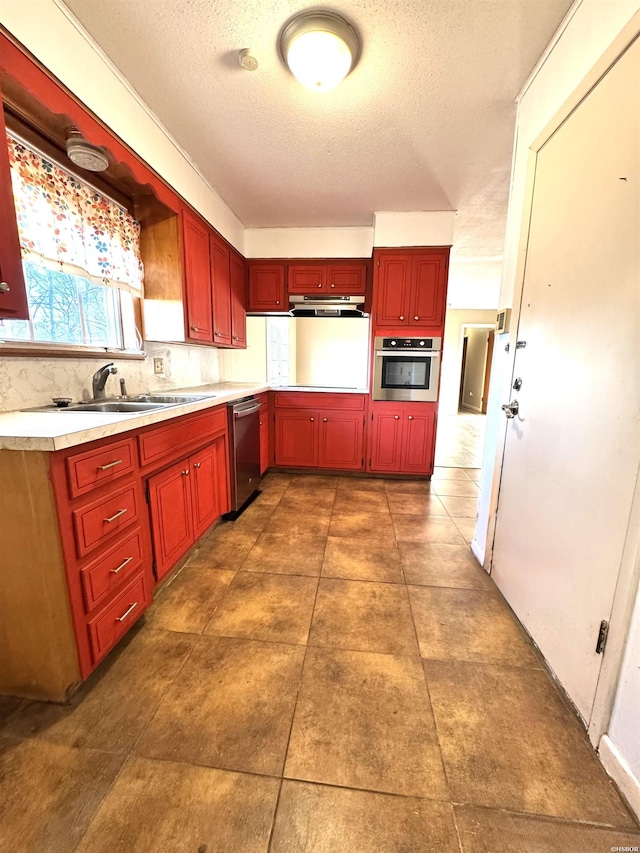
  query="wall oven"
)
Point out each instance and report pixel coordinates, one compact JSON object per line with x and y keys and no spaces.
{"x":406,"y":369}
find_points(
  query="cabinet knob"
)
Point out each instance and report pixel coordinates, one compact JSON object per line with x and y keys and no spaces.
{"x":333,"y":285}
{"x":277,"y":302}
{"x":320,"y":285}
{"x":217,"y":334}
{"x":197,"y":464}
{"x":195,"y":329}
{"x":401,"y":317}
{"x":312,"y":419}
{"x":261,"y":423}
{"x":324,"y":420}
{"x":410,"y":418}
{"x":185,"y":473}
{"x":236,"y":338}
{"x":4,"y":287}
{"x":416,"y":318}
{"x":396,"y":417}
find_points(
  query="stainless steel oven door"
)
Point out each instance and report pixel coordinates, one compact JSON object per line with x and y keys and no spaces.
{"x":411,"y":376}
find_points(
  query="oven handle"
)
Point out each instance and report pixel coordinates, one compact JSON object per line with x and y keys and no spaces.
{"x":420,"y":354}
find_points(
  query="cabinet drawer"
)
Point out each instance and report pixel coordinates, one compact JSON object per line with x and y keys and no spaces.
{"x":101,"y":520}
{"x":111,"y":568}
{"x":86,"y":471}
{"x":319,"y":400}
{"x":115,"y":620}
{"x":171,"y":439}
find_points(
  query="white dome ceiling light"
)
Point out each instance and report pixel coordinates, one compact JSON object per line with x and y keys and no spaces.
{"x":84,"y":154}
{"x":319,"y":48}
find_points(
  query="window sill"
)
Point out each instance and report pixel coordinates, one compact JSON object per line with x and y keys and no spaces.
{"x":25,"y":350}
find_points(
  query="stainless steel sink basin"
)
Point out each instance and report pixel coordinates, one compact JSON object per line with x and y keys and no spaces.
{"x":122,"y":406}
{"x":171,"y":399}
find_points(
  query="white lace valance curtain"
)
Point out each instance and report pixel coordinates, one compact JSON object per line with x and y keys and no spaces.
{"x":65,"y":222}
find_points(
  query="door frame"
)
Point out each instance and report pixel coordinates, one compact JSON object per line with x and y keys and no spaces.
{"x":629,"y":572}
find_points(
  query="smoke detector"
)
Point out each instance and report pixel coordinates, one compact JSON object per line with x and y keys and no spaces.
{"x":247,"y":60}
{"x":84,"y":154}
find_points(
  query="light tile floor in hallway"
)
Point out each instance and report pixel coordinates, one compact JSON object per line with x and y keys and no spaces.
{"x":331,"y":673}
{"x":460,"y":440}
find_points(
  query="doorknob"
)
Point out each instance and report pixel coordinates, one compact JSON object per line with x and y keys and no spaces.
{"x":511,"y":409}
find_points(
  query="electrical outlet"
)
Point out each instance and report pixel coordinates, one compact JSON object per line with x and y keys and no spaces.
{"x":158,"y":366}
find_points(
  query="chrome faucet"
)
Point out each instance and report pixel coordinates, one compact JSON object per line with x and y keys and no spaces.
{"x":100,"y":379}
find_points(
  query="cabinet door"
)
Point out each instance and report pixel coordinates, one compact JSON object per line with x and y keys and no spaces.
{"x":428,"y":290}
{"x":391,"y":289}
{"x":417,"y":443}
{"x":341,"y":440}
{"x":350,"y":279}
{"x":264,"y":438}
{"x":386,"y":441}
{"x":307,"y":278}
{"x":171,"y":515}
{"x":238,"y":301}
{"x":220,"y":291}
{"x":266,"y":288}
{"x":13,"y":293}
{"x":297,"y":438}
{"x":204,"y":489}
{"x":197,"y":272}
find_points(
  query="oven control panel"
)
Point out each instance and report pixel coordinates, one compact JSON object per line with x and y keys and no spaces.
{"x":389,"y":344}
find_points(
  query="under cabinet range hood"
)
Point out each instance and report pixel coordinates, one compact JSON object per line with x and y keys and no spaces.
{"x":327,"y":306}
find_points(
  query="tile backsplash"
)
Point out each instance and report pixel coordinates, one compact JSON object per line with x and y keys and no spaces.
{"x":26,"y":382}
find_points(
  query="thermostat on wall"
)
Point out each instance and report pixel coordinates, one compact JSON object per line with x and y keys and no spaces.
{"x":503,"y":320}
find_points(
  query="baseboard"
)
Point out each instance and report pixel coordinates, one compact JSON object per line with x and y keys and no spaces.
{"x":620,"y":772}
{"x":478,"y":552}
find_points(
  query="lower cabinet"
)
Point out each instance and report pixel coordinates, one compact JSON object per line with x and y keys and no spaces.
{"x":264,"y":433}
{"x":312,"y":438}
{"x":402,"y":438}
{"x":184,"y":500}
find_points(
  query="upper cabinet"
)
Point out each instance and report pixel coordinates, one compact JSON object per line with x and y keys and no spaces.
{"x":410,"y":287}
{"x":197,"y":276}
{"x":220,"y":290}
{"x":348,"y":278}
{"x":13,"y":294}
{"x":267,"y":287}
{"x":237,"y":275}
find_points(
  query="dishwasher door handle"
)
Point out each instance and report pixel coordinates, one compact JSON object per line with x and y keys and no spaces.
{"x":246,"y":412}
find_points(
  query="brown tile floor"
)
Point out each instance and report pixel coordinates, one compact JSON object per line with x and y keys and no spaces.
{"x":332,"y":673}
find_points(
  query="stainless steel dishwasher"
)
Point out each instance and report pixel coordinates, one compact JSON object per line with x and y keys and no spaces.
{"x":244,"y":442}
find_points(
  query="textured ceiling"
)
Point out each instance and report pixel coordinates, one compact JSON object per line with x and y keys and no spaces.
{"x":424,"y":122}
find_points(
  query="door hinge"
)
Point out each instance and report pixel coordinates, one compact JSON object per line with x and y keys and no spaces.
{"x":602,"y":637}
{"x":521,"y":344}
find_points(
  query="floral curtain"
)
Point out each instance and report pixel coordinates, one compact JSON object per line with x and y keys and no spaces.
{"x":67,"y":223}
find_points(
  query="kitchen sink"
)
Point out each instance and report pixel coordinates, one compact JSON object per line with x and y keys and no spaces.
{"x":170,"y":399}
{"x":122,"y":406}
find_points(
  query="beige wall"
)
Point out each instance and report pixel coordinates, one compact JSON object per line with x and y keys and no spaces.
{"x":250,"y":364}
{"x":332,"y":351}
{"x":455,"y":321}
{"x":474,"y":368}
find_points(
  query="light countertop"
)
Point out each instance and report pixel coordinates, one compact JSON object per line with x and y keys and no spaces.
{"x":58,"y":429}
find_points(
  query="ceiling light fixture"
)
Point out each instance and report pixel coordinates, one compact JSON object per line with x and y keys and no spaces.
{"x":319,"y":48}
{"x":84,"y":154}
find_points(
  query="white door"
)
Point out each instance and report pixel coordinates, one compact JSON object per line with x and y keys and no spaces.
{"x":572,"y":453}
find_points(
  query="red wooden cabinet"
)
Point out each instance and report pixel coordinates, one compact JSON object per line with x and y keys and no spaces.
{"x":238,"y":300}
{"x":264,"y":433}
{"x":266,"y":287}
{"x":402,"y":438}
{"x":13,"y":293}
{"x":297,"y":438}
{"x":220,"y":290}
{"x":303,"y":278}
{"x":171,"y":515}
{"x":197,"y":274}
{"x":341,"y":437}
{"x":410,"y":287}
{"x":347,"y":277}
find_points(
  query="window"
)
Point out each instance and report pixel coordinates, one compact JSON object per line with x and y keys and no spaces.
{"x":81,"y":258}
{"x":278,"y":350}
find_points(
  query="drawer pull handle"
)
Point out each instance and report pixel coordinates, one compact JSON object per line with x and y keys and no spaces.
{"x":121,"y":566}
{"x":117,"y":515}
{"x":110,"y":465}
{"x":127,"y":612}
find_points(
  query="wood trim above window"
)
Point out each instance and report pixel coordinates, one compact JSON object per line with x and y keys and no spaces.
{"x":44,"y":350}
